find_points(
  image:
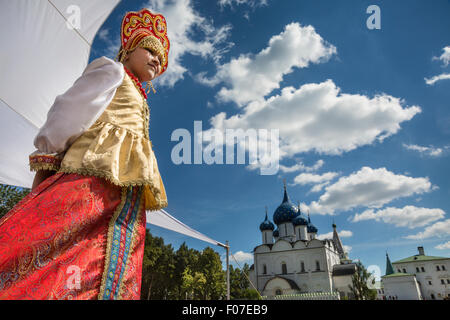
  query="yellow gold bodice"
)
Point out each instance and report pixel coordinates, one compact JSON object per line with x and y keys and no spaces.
{"x":117,"y":147}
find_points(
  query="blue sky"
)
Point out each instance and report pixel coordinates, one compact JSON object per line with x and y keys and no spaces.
{"x":364,"y":138}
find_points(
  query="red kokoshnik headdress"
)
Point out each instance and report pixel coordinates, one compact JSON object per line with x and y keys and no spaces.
{"x":147,"y":30}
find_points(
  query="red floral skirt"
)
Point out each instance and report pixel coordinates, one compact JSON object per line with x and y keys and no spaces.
{"x":73,"y":237}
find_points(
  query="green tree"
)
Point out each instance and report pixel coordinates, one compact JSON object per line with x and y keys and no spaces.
{"x":9,"y":197}
{"x":157,"y":269}
{"x":193,"y":284}
{"x":359,"y":287}
{"x":240,"y":285}
{"x":210,"y":265}
{"x":184,"y":258}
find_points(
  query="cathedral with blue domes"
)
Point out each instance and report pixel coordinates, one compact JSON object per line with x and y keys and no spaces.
{"x":291,"y":260}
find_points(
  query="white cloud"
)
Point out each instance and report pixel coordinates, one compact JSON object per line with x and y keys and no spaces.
{"x":310,"y":178}
{"x":431,"y":151}
{"x":439,"y":229}
{"x":296,"y":46}
{"x":408,"y":216}
{"x":445,"y":57}
{"x":347,"y":248}
{"x":368,"y":188}
{"x":319,"y":181}
{"x":241,"y":256}
{"x":319,"y":187}
{"x":183,"y":23}
{"x":329,"y":235}
{"x":443,"y":246}
{"x":316,"y":117}
{"x":302,"y":167}
{"x":112,"y":43}
{"x":433,"y":80}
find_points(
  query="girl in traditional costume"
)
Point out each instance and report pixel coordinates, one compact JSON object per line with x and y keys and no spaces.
{"x":80,"y":233}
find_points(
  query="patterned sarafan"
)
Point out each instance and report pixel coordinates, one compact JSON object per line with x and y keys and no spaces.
{"x":58,"y":242}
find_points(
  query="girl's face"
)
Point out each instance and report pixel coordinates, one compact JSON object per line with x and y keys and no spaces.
{"x":143,"y":63}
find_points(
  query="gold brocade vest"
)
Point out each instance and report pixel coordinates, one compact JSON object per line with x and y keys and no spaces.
{"x":117,"y":147}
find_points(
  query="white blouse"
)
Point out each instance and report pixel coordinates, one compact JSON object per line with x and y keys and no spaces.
{"x":76,"y":110}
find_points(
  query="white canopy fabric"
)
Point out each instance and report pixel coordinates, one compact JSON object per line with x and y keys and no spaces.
{"x":41,"y":57}
{"x":162,"y":219}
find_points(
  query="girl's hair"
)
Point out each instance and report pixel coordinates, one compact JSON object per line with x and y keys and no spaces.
{"x":120,"y":54}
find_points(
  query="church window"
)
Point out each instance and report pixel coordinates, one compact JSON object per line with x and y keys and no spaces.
{"x":264,"y":269}
{"x":404,"y":270}
{"x":443,"y":268}
{"x":302,"y":264}
{"x":285,"y":230}
{"x":429,"y":282}
{"x":317,"y":265}
{"x":399,"y":270}
{"x":437,"y":268}
{"x":433,"y":297}
{"x":417,"y":269}
{"x":278,"y":292}
{"x":283,"y":268}
{"x":442,"y":281}
{"x":448,"y":281}
{"x":423,"y":269}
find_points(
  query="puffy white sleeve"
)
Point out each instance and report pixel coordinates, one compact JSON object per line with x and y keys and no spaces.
{"x":74,"y":111}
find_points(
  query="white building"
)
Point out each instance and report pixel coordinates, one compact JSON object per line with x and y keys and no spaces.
{"x":418,"y":277}
{"x":291,"y":260}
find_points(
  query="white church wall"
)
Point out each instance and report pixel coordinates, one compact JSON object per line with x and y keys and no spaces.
{"x":262,"y":249}
{"x":402,"y":288}
{"x":300,"y":244}
{"x":429,"y":277}
{"x":281,"y":245}
{"x":342,"y":283}
{"x":276,"y":286}
{"x":315,"y":243}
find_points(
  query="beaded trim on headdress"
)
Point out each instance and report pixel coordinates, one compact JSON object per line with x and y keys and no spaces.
{"x":147,"y":30}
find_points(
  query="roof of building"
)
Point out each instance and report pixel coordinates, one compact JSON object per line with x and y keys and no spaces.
{"x":299,"y":221}
{"x":397,"y":274}
{"x":311,"y":228}
{"x":266,"y":225}
{"x":418,"y":258}
{"x":338,"y":243}
{"x":286,"y":211}
{"x":344,"y":269}
{"x":389,"y":268}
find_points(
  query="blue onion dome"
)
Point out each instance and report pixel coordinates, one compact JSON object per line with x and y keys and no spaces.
{"x":276,"y":233}
{"x":266,"y":225}
{"x":299,"y":221}
{"x":286,"y":211}
{"x":311,"y":228}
